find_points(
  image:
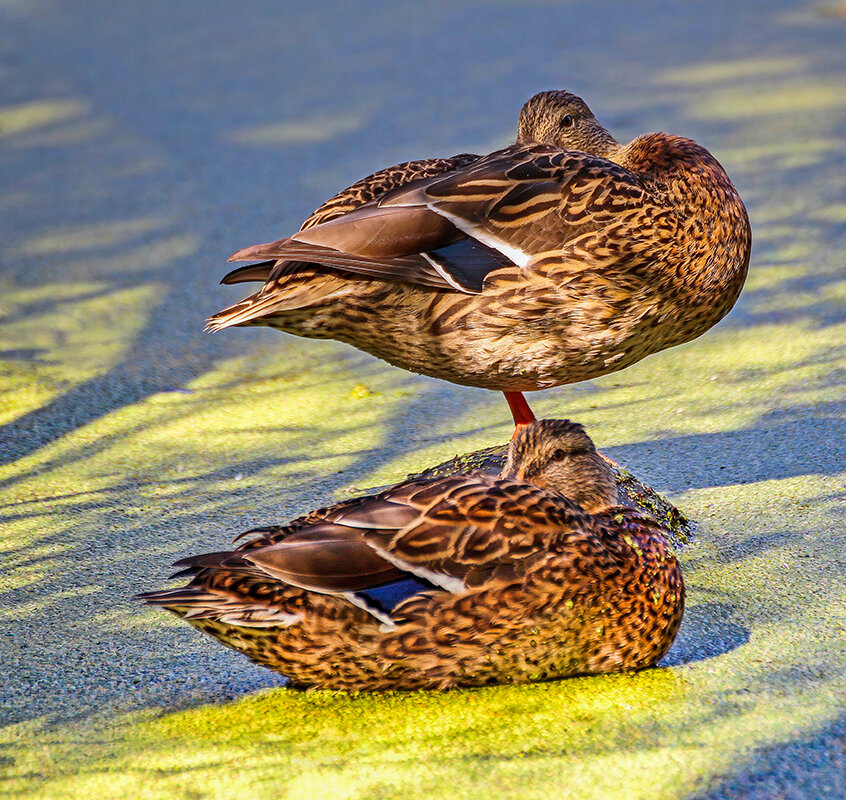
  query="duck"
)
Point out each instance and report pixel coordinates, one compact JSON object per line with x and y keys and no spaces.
{"x":557,"y":259}
{"x":464,"y":580}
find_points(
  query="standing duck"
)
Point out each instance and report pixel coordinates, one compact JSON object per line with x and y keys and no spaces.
{"x":557,"y":259}
{"x":457,"y":581}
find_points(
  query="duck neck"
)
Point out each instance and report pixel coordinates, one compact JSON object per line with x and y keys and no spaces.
{"x":604,"y":145}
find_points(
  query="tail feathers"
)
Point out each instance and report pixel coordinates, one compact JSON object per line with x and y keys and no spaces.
{"x":195,"y":603}
{"x":184,"y":596}
{"x":274,"y":300}
{"x":248,"y":310}
{"x":238,"y":314}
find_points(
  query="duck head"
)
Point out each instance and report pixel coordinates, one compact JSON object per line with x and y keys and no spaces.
{"x":558,"y":455}
{"x":563,"y":119}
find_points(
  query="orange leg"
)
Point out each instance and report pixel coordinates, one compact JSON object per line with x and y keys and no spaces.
{"x":519,"y":409}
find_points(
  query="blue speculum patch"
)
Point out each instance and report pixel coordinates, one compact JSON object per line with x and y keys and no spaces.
{"x":387,"y":597}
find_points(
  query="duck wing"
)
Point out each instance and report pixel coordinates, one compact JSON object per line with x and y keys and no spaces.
{"x":383,"y":181}
{"x":263,"y":586}
{"x":529,"y":201}
{"x":361,"y":192}
{"x":447,"y":534}
{"x":452,"y":230}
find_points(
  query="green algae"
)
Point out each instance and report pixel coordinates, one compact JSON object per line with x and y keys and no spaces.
{"x":53,"y":338}
{"x":90,"y":237}
{"x":26,"y":117}
{"x":731,"y":71}
{"x":318,"y":129}
{"x":739,"y":428}
{"x":667,"y":730}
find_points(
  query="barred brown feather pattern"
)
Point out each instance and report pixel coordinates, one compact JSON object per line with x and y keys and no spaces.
{"x":617,"y":254}
{"x":527,"y":584}
{"x":378,"y":183}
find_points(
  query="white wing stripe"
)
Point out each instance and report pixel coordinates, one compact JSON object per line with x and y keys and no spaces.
{"x":519,"y":257}
{"x":387,"y":622}
{"x":448,"y":582}
{"x":444,"y":274}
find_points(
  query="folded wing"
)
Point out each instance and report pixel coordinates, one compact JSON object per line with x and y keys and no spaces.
{"x":448,"y":535}
{"x":451,"y":230}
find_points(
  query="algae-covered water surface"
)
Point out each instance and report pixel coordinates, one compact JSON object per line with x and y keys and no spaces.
{"x":142,"y":146}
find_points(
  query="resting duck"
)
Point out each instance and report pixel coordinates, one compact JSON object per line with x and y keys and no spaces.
{"x":557,"y":259}
{"x":457,"y":581}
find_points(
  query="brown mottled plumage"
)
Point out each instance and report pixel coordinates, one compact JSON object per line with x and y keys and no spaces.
{"x":456,"y":581}
{"x":558,"y":259}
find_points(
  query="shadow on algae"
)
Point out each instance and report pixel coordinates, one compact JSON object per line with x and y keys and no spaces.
{"x":101,"y":460}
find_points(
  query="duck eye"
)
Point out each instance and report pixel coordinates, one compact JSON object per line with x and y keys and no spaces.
{"x":559,"y":455}
{"x":567,"y":122}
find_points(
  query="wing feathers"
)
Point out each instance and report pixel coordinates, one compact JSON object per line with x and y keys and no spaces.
{"x":443,"y":224}
{"x":412,"y":268}
{"x":449,"y":533}
{"x":252,"y":272}
{"x":338,"y":560}
{"x":382,"y":233}
{"x":379,"y":514}
{"x":467,"y":263}
{"x":382,"y":181}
